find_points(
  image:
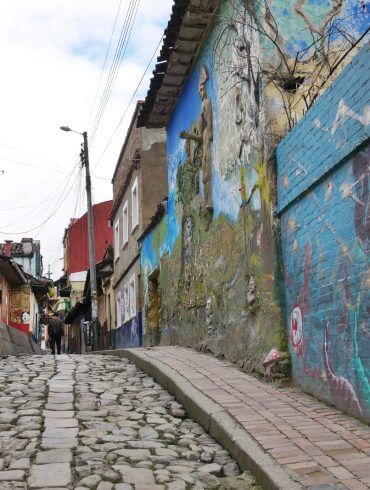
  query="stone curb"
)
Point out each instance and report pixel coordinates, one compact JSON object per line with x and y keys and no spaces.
{"x":218,"y":422}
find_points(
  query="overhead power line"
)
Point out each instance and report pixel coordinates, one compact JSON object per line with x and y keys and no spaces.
{"x":105,"y":61}
{"x":116,"y":63}
{"x":50,"y":197}
{"x":58,"y":204}
{"x":34,"y":157}
{"x":33,"y":165}
{"x":128,"y":106}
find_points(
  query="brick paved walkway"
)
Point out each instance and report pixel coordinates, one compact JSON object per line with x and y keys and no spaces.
{"x":325,"y":448}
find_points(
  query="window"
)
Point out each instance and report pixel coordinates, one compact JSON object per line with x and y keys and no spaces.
{"x":132,"y":288}
{"x":119,"y":309}
{"x":125,"y":224}
{"x":116,"y":240}
{"x":126,"y":300}
{"x":135,"y":205}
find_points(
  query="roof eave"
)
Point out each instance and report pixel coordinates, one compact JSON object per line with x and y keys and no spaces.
{"x":183,"y":39}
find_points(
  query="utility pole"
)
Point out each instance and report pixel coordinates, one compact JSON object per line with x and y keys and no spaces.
{"x":49,"y":273}
{"x":90,"y":224}
{"x":84,"y":155}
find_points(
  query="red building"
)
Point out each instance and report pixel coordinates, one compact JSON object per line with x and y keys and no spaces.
{"x":75,"y":240}
{"x":76,"y":246}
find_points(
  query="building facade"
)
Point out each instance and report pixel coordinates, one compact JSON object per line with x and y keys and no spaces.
{"x":139,"y":178}
{"x":76,"y":248}
{"x":24,"y":292}
{"x":105,"y":299}
{"x":26,"y":253}
{"x":231,"y":80}
{"x":15,"y":295}
{"x":22,"y":298}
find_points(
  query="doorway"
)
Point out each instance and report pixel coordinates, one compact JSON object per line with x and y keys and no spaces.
{"x":153,"y":310}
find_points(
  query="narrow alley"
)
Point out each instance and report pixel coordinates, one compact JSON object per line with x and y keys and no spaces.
{"x":185,"y":245}
{"x":98,"y":422}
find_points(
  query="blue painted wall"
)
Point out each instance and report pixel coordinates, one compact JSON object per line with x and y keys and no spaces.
{"x":323,"y":175}
{"x":130,"y":333}
{"x":236,"y":250}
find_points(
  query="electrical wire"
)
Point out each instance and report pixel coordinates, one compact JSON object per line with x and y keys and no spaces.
{"x":32,"y":165}
{"x":75,"y":203}
{"x":127,"y":108}
{"x":105,"y":61}
{"x":50,"y":197}
{"x":35,"y":191}
{"x":34,"y":157}
{"x":55,"y":254}
{"x":56,"y":208}
{"x":116,"y":63}
{"x":117,"y":59}
{"x":112,"y":79}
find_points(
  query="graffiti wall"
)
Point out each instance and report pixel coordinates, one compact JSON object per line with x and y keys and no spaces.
{"x":323,"y":167}
{"x":217,"y":251}
{"x":20,"y":309}
{"x":218,"y":282}
{"x":129,"y":334}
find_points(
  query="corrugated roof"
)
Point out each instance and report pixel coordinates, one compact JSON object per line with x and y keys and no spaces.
{"x":17,"y":248}
{"x":11,"y":271}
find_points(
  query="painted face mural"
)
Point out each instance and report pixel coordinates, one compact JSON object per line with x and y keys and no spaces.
{"x":25,"y":317}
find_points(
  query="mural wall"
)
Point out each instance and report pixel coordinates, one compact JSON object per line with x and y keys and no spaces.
{"x":20,"y":309}
{"x":217,"y":248}
{"x":324,"y":170}
{"x":129,"y":334}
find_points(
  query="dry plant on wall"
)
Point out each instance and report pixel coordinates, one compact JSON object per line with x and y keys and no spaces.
{"x":298,"y":77}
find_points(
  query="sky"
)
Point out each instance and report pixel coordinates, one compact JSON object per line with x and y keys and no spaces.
{"x":52,"y":57}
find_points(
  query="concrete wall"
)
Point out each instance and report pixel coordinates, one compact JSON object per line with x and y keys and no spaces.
{"x":129,"y":251}
{"x":147,"y":147}
{"x":220,"y":271}
{"x":323,"y":167}
{"x":14,"y":342}
{"x":154,"y":171}
{"x":210,"y":260}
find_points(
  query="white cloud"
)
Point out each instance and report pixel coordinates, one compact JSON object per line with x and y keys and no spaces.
{"x":52,"y":54}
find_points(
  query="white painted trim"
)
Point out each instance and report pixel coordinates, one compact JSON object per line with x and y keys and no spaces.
{"x":126,"y":301}
{"x":116,"y":239}
{"x":134,"y":204}
{"x":125,"y":224}
{"x":119,"y":309}
{"x":132,"y":299}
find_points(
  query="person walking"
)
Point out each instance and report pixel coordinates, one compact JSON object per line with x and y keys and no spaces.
{"x":55,"y":333}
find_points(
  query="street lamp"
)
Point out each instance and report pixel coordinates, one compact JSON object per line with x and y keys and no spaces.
{"x":90,"y":222}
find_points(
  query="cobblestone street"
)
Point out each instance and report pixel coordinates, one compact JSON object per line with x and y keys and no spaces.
{"x":98,"y":422}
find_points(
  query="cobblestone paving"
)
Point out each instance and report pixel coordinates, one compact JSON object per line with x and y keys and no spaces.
{"x":322,"y":447}
{"x":97,"y":422}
